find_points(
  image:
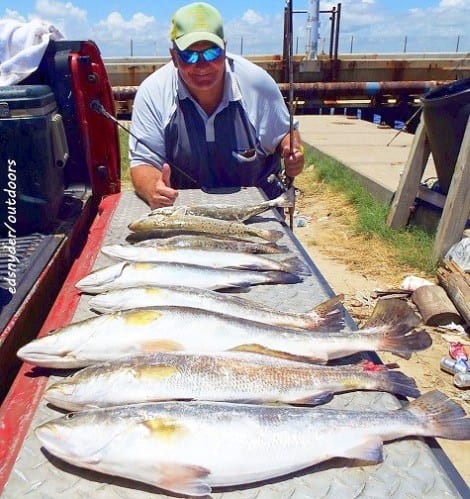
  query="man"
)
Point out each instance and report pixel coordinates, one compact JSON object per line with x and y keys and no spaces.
{"x":208,"y":119}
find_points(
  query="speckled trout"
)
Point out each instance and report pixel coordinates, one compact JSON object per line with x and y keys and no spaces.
{"x":206,"y":258}
{"x":238,"y":213}
{"x":142,"y":331}
{"x":189,"y":447}
{"x":224,"y":376}
{"x":129,"y":274}
{"x":322,"y":316}
{"x":199,"y":241}
{"x":162,"y":224}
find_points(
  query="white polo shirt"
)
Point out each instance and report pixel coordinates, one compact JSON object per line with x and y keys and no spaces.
{"x":232,"y":148}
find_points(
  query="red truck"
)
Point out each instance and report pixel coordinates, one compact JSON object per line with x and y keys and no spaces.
{"x":59,"y":158}
{"x":61,"y":200}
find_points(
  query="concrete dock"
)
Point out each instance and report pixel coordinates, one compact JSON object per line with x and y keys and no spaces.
{"x":376,"y":155}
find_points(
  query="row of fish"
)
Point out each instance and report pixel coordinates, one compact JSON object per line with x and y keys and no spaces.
{"x":221,"y":357}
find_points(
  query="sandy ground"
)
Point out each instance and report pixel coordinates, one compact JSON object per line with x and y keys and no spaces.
{"x":358,"y":286}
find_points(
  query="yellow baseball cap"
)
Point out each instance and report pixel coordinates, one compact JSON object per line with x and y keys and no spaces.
{"x":197,"y":22}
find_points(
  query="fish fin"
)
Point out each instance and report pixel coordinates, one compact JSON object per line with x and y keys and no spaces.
{"x":319,"y":398}
{"x":295,"y":265}
{"x":260,"y":349}
{"x":370,"y":450}
{"x":180,"y":211}
{"x":184,"y":479}
{"x":440,"y":416}
{"x":333,"y":321}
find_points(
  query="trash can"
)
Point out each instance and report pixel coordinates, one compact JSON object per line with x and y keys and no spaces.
{"x":446,"y":110}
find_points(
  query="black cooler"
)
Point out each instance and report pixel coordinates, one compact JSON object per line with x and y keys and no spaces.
{"x":33,"y":152}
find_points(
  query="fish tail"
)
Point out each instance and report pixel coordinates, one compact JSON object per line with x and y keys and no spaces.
{"x":295,"y":265}
{"x":393,"y":311}
{"x":398,"y":340}
{"x":285,"y":200}
{"x":441,"y":416}
{"x":273,"y":235}
{"x":329,"y":305}
{"x":270,"y":248}
{"x":280,"y":277}
{"x":395,"y":319}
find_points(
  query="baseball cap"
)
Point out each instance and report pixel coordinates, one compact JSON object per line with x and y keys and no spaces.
{"x":197,"y":22}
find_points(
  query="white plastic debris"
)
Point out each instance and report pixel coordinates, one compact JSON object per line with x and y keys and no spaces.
{"x":411,"y":283}
{"x":460,"y":254}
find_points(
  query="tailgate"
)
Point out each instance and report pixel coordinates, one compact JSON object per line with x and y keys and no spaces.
{"x":410,"y":468}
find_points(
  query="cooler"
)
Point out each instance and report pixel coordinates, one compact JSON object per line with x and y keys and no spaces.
{"x":33,"y":152}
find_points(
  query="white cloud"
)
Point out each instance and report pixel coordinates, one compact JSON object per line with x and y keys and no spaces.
{"x":116,"y":35}
{"x":50,"y":9}
{"x":13,"y":14}
{"x":366,"y":26}
{"x":137,"y":23}
{"x":256,"y":33}
{"x":453,"y":3}
{"x":252,"y":17}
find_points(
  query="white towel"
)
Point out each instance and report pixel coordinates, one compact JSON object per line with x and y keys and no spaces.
{"x":22,"y":46}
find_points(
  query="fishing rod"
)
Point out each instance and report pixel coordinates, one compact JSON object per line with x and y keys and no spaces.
{"x":406,"y":125}
{"x":290,"y":63}
{"x":96,"y":106}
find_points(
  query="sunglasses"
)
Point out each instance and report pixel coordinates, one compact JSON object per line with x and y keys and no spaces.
{"x":192,"y":56}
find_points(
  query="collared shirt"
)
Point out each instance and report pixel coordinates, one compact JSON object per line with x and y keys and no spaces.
{"x":233,"y":147}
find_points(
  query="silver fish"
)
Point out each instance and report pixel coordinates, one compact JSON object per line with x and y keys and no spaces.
{"x":238,"y":213}
{"x":324,"y":315}
{"x":224,"y":376}
{"x":189,"y":447}
{"x":163,"y":224}
{"x":143,"y":331}
{"x":206,"y":258}
{"x":130,"y":274}
{"x":200,"y":241}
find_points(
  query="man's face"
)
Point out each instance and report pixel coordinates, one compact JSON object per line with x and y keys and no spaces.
{"x":203,"y":75}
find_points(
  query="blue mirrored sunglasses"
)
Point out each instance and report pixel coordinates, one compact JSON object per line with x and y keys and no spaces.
{"x":192,"y":56}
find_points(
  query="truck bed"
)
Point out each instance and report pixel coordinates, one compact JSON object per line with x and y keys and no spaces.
{"x":412,"y":467}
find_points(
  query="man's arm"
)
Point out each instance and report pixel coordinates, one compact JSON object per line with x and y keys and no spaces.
{"x":153,"y":185}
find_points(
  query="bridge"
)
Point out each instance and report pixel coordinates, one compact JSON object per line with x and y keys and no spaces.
{"x":346,"y":80}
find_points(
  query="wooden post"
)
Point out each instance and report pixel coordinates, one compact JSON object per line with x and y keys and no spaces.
{"x":409,"y":181}
{"x":435,"y":307}
{"x":457,"y":207}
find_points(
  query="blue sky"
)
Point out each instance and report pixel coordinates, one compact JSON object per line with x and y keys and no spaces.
{"x":256,"y":26}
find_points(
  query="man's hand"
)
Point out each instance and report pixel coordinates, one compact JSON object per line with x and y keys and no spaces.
{"x":293,"y":163}
{"x":154,"y":185}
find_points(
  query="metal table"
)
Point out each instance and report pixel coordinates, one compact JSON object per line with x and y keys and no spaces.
{"x":411,"y":469}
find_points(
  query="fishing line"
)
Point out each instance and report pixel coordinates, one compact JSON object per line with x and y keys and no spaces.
{"x":96,"y":106}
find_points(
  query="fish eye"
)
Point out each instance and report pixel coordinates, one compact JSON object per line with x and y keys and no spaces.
{"x":70,"y":415}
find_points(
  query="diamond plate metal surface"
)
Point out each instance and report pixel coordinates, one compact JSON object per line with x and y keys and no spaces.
{"x":409,"y":469}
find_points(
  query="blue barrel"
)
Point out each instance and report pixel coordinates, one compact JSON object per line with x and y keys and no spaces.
{"x":446,"y":110}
